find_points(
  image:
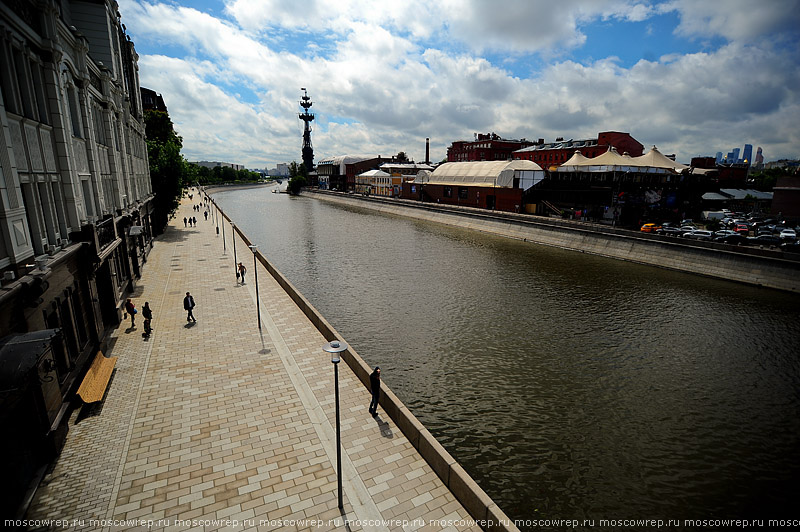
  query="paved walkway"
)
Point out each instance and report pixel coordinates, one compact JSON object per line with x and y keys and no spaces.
{"x":219,"y":425}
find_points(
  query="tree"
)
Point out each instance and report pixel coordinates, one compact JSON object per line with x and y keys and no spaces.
{"x":765,"y":180}
{"x":297,"y":177}
{"x":168,"y":169}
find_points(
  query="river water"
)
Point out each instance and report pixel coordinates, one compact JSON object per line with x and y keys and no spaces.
{"x":568,"y":385}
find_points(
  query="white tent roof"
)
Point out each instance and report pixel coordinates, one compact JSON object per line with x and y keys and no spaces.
{"x":342,"y":160}
{"x":656,"y":159}
{"x":374,"y":173}
{"x":481,"y":173}
{"x":611,"y":161}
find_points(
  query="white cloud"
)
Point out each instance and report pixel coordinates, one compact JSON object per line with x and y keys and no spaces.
{"x":736,"y":20}
{"x":382,"y":86}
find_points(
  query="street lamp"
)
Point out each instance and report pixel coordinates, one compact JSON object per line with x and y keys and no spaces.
{"x":224,"y":247}
{"x":254,"y":248}
{"x":235,"y":264}
{"x":334,"y":348}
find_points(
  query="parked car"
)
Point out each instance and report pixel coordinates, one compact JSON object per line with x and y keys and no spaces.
{"x":699,"y":234}
{"x":791,"y":246}
{"x":723,"y":232}
{"x":788,"y":234}
{"x":650,"y":228}
{"x":670,"y":231}
{"x":766,"y":240}
{"x":741,"y":228}
{"x":735,"y":239}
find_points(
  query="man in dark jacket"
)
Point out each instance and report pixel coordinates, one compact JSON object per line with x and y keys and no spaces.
{"x":375,"y":384}
{"x":188,"y":305}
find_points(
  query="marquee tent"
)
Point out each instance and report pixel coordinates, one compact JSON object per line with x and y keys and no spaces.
{"x":652,"y":162}
{"x":485,"y":174}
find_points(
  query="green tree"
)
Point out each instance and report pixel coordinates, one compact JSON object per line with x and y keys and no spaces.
{"x":168,"y":168}
{"x":298,"y":177}
{"x":765,"y":180}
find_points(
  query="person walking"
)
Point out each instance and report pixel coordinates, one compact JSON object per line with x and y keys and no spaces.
{"x":188,"y":305}
{"x":242,"y":271}
{"x":375,"y":385}
{"x":184,"y":221}
{"x":130,"y":308}
{"x":147,"y":314}
{"x":206,"y":215}
{"x":194,"y":221}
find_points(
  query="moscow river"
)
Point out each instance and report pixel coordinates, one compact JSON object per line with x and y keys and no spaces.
{"x":568,"y":385}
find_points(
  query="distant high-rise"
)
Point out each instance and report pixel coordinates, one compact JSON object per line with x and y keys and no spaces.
{"x":747,"y":156}
{"x":305,"y":116}
{"x":719,"y":157}
{"x":759,"y":157}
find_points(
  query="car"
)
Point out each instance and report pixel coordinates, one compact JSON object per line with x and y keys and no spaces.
{"x":791,"y":246}
{"x":687,"y":229}
{"x":766,"y":240}
{"x":735,"y":239}
{"x":723,"y":232}
{"x":650,"y":228}
{"x":699,"y":234}
{"x":741,"y":228}
{"x":669,"y":231}
{"x":688,"y":221}
{"x":788,"y":234}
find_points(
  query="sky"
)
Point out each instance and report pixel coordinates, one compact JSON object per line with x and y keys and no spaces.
{"x":692,"y":77}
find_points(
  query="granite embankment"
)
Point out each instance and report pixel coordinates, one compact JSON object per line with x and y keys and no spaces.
{"x":750,"y":265}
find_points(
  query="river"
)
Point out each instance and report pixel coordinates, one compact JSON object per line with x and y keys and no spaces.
{"x":568,"y":385}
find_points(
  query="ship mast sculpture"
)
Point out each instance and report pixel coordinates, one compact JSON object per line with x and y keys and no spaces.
{"x":305,"y":116}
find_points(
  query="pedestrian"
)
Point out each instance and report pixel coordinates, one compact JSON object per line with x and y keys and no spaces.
{"x":188,"y":305}
{"x":194,"y":220}
{"x":184,"y":221}
{"x":206,"y":215}
{"x":147,"y":314}
{"x":242,"y":271}
{"x":130,"y":308}
{"x":375,"y":385}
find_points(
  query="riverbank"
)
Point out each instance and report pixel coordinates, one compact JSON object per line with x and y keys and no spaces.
{"x":752,"y":266}
{"x":224,"y":422}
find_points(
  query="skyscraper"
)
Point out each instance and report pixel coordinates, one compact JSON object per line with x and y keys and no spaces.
{"x":747,"y":157}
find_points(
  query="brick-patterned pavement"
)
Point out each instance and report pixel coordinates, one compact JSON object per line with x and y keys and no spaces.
{"x":217,"y":425}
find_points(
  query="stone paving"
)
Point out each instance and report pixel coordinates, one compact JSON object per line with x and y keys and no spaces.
{"x":220,"y":425}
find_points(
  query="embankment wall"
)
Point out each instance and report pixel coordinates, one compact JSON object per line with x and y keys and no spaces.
{"x":754,"y":266}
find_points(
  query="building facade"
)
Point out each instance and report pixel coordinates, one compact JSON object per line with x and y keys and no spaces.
{"x":485,"y":147}
{"x":75,"y":208}
{"x":496,"y":185}
{"x":548,"y":155}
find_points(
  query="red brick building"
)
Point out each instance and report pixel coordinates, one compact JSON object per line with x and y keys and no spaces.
{"x":555,"y":153}
{"x":485,"y":147}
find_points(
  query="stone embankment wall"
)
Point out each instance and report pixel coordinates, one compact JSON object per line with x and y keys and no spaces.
{"x":467,"y":491}
{"x":750,"y":265}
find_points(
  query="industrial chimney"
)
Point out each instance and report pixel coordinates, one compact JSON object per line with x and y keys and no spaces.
{"x":427,"y":150}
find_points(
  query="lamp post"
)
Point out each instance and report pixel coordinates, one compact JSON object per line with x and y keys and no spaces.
{"x":254,"y":248}
{"x":235,"y":264}
{"x":224,"y":248}
{"x":334,"y":348}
